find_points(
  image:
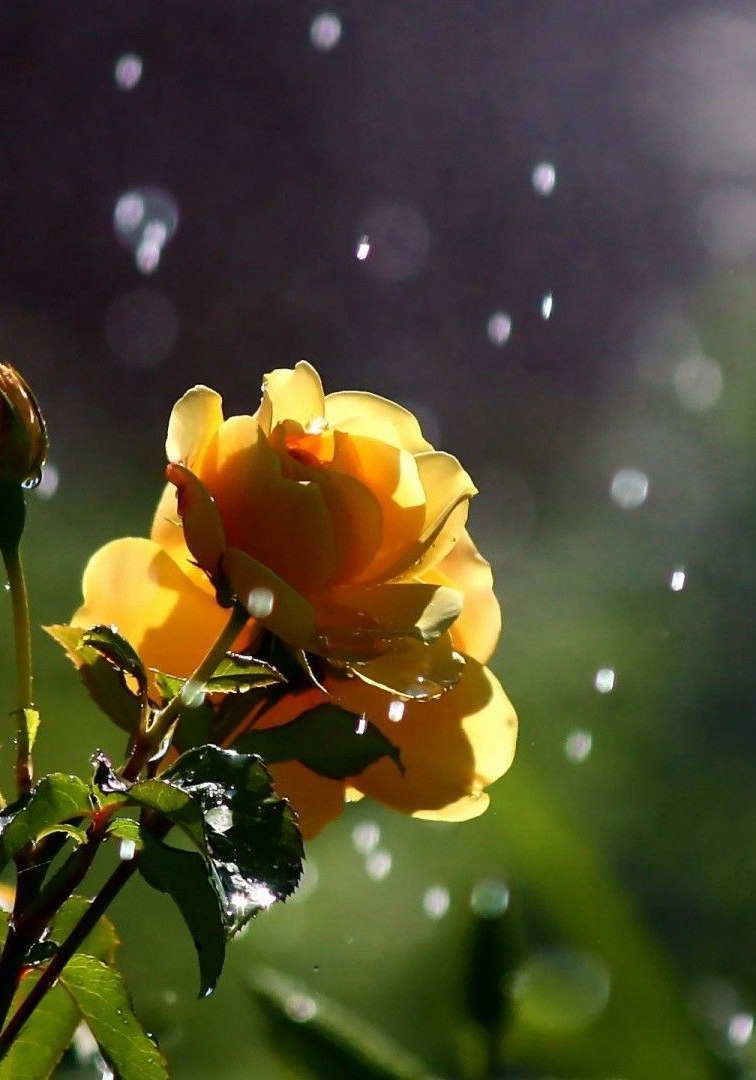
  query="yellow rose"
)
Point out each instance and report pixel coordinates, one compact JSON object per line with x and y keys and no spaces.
{"x":342,"y":531}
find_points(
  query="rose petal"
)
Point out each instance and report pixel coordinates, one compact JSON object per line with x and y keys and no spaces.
{"x":291,"y":394}
{"x":451,"y":747}
{"x":478,"y":627}
{"x":280,"y":522}
{"x":202,"y":526}
{"x":412,"y":609}
{"x":134,"y":585}
{"x":414,"y":671}
{"x":291,"y":618}
{"x":448,"y":490}
{"x":194,"y":420}
{"x":360,"y":413}
{"x":391,"y":475}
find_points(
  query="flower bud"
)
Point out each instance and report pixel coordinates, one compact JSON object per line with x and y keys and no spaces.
{"x":23,"y":433}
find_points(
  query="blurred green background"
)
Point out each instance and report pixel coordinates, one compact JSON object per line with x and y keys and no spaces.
{"x":559,"y":202}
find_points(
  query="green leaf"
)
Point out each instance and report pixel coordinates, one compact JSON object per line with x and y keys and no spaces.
{"x":99,"y":993}
{"x":101,"y":942}
{"x":118,"y":651}
{"x":253,"y":841}
{"x":311,"y":1028}
{"x":237,"y":673}
{"x":125,"y":828}
{"x":57,"y":798}
{"x":43,"y":1040}
{"x":327,"y":739}
{"x":190,"y":882}
{"x":103,"y":680}
{"x":173,"y":802}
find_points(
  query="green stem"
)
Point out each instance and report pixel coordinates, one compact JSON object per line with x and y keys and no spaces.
{"x":148,"y":742}
{"x":81,"y":930}
{"x":22,"y":634}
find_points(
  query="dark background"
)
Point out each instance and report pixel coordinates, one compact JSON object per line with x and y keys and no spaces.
{"x":626,"y":828}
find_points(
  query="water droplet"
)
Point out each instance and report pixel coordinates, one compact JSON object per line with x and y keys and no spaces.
{"x":365,"y":837}
{"x":362,"y":725}
{"x":300,"y":1007}
{"x":316,"y":968}
{"x":378,"y":865}
{"x":543,"y":178}
{"x":677,"y":579}
{"x":603,"y":680}
{"x":436,"y":901}
{"x":578,"y":745}
{"x":33,"y":480}
{"x":209,"y":991}
{"x":629,"y":488}
{"x":7,"y":586}
{"x":489,"y":898}
{"x":325,"y":31}
{"x":127,"y":850}
{"x":363,"y":248}
{"x":740,"y":1029}
{"x":128,"y":71}
{"x":499,"y":328}
{"x":220,"y":818}
{"x":48,"y":484}
{"x":547,"y":306}
{"x":399,"y":242}
{"x":260,"y":603}
{"x":396,"y":711}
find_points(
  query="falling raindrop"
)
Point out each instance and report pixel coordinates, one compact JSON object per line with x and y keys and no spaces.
{"x":436,"y":901}
{"x":365,"y":837}
{"x":378,"y":865}
{"x":543,"y":178}
{"x":363,"y":248}
{"x":499,"y":328}
{"x":547,"y":306}
{"x":677,"y":579}
{"x":629,"y":488}
{"x":260,"y":603}
{"x":740,"y":1029}
{"x":128,"y":71}
{"x":578,"y":745}
{"x":604,"y":680}
{"x":325,"y":31}
{"x":396,"y":711}
{"x":362,"y":725}
{"x":127,"y":850}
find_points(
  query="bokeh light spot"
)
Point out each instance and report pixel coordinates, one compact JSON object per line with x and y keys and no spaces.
{"x":629,"y":488}
{"x":489,"y":898}
{"x":499,"y":328}
{"x":436,"y":901}
{"x":543,"y":178}
{"x":561,"y":990}
{"x":325,"y":31}
{"x":128,"y":71}
{"x":141,"y":328}
{"x":578,"y":745}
